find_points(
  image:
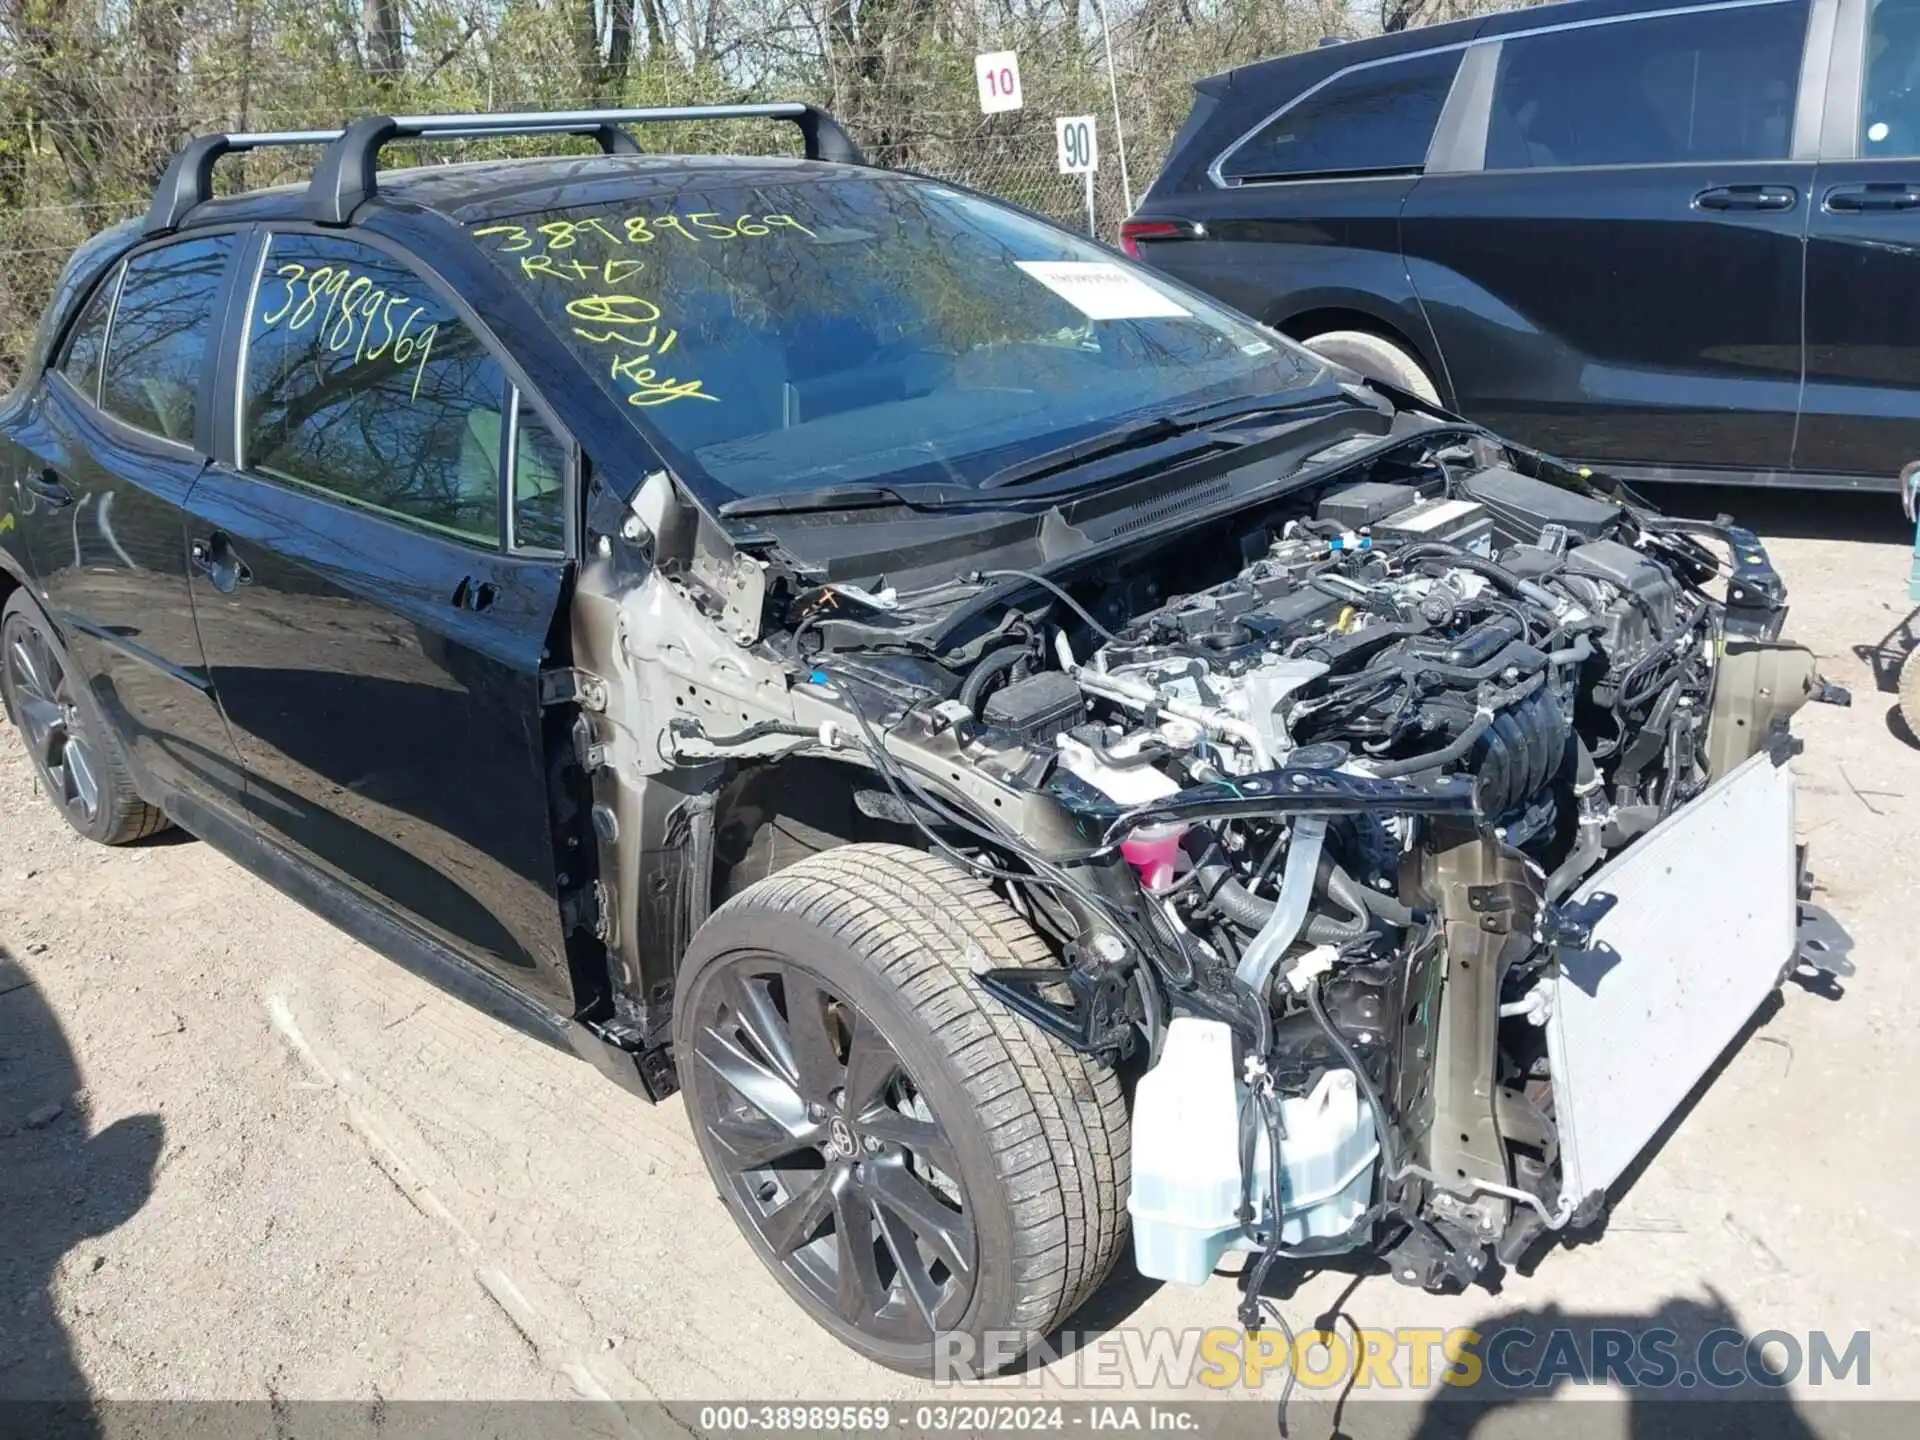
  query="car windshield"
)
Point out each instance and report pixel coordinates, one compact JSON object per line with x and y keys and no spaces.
{"x":822,"y":329}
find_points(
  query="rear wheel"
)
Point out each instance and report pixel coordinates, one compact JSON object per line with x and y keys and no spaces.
{"x":1376,"y":358}
{"x":907,"y":1157}
{"x":74,"y":751}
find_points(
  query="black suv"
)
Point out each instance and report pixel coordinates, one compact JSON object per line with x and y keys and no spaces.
{"x":838,"y":644}
{"x":1676,"y":241}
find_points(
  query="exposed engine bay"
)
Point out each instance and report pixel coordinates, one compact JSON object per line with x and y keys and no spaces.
{"x":1303,"y":800}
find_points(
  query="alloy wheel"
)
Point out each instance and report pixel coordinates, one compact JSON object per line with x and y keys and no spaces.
{"x":831,"y":1152}
{"x":47,"y":707}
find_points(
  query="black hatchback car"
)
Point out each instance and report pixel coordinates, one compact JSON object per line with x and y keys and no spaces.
{"x":1674,"y":240}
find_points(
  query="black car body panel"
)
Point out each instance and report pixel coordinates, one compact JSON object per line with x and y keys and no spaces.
{"x":1735,"y":319}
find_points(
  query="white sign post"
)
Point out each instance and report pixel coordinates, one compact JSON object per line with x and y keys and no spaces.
{"x":998,"y":76}
{"x":1076,"y":140}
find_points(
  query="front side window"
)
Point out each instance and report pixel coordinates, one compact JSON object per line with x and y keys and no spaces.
{"x":162,"y":338}
{"x":1377,"y":118}
{"x":362,"y":383}
{"x":1712,"y":86}
{"x":1890,"y":109}
{"x":87,"y":345}
{"x":783,"y":331}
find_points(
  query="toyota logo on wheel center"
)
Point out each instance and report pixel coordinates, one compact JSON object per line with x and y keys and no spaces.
{"x":840,"y":1141}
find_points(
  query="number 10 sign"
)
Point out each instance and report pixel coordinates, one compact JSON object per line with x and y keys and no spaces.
{"x":998,"y":75}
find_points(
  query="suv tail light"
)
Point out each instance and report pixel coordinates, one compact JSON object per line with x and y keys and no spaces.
{"x":1133,"y":231}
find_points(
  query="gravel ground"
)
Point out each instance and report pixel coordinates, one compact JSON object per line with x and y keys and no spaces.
{"x":282,"y":1168}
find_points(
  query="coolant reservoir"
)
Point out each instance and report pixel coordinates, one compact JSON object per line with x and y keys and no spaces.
{"x":1186,"y":1157}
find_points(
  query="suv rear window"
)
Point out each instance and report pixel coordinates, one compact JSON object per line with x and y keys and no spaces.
{"x":1711,"y":86}
{"x":1378,"y":117}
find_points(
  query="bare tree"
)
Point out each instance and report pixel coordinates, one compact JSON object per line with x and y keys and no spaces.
{"x":386,"y":60}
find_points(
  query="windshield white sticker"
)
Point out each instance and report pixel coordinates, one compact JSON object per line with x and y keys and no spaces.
{"x":1101,"y":291}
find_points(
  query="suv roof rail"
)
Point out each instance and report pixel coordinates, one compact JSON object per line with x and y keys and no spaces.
{"x":345,"y":178}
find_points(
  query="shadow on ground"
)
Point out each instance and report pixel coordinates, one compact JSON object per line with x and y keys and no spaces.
{"x":1870,"y":517}
{"x":59,"y":1188}
{"x":1691,"y":1368}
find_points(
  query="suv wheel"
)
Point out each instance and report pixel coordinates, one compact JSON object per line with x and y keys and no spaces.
{"x":1375,"y":358}
{"x":76,"y":754}
{"x":906,"y":1156}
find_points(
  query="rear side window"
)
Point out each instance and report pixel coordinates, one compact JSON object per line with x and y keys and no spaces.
{"x":88,"y":343}
{"x":1711,"y":86}
{"x":163,"y":336}
{"x":1379,"y":117}
{"x":362,"y":383}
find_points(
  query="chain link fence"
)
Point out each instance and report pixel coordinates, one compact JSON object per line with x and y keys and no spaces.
{"x":1012,"y":156}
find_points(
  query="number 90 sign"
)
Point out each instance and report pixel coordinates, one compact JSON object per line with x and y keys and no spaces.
{"x":998,"y":75}
{"x":1079,"y":150}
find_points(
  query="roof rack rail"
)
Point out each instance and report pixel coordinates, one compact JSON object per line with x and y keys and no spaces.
{"x":188,"y":179}
{"x":345,"y":178}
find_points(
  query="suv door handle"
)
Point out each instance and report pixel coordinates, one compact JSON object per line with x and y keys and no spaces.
{"x":46,"y":484}
{"x":475,"y":595}
{"x":1894,"y":195}
{"x":1748,"y":197}
{"x":215,"y":558}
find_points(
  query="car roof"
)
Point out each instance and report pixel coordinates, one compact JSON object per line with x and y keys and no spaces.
{"x":481,"y":190}
{"x":1297,"y":71}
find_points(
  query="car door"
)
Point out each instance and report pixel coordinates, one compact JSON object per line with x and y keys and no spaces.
{"x":374,"y":612}
{"x":1611,"y":259}
{"x":1860,"y":415}
{"x":119,"y":430}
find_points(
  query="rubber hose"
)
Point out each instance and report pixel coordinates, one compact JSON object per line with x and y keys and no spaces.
{"x":1325,"y":930}
{"x":1250,"y":912}
{"x":1358,"y":898}
{"x":1519,"y":655}
{"x":1466,"y":560}
{"x":1231,"y":898}
{"x":1263,"y":952}
{"x":974,"y":688}
{"x":1575,"y":654}
{"x":1589,"y":841}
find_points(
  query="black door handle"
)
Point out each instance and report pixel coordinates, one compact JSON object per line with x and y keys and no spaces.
{"x":214,"y":557}
{"x":1748,"y":197}
{"x":46,"y":484}
{"x":475,"y":595}
{"x":1893,"y":195}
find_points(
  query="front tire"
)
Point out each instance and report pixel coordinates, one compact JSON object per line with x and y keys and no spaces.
{"x":74,"y":751}
{"x":909,"y":1158}
{"x":1376,"y":358}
